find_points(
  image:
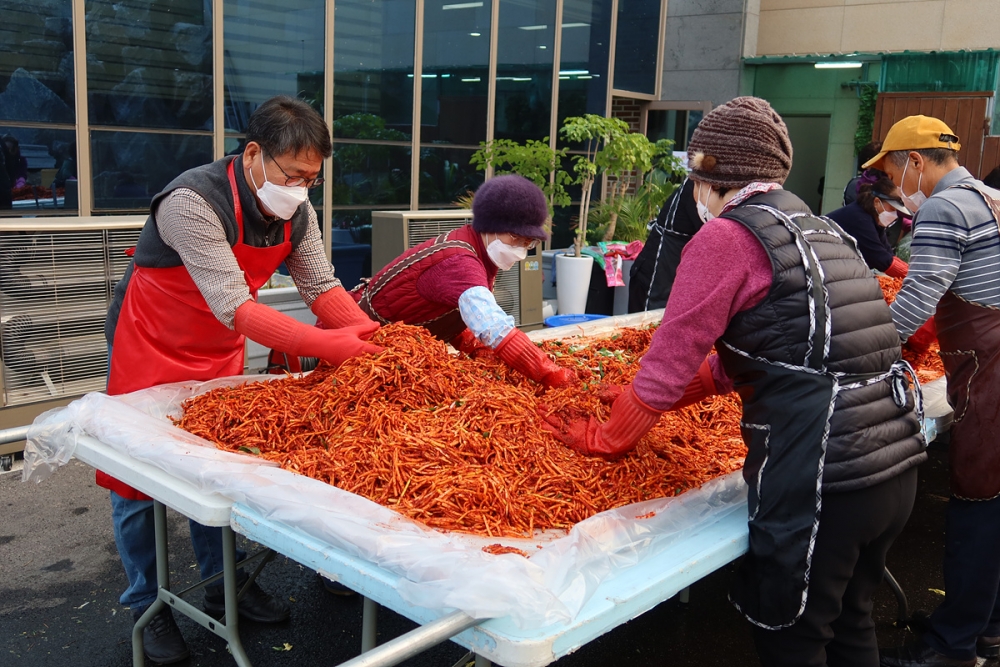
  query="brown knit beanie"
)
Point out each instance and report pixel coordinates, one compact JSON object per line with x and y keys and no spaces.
{"x":740,"y":142}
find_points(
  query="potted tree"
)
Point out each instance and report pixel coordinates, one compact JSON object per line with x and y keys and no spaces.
{"x":594,"y":133}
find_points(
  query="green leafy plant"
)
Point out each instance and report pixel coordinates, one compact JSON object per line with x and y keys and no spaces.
{"x":535,"y":160}
{"x":595,"y":133}
{"x":641,"y":172}
{"x":868,"y":94}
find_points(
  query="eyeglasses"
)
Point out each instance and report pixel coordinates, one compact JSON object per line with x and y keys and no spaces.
{"x":297,"y":181}
{"x":523,"y":241}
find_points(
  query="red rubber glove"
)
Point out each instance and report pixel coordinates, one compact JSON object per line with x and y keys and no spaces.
{"x":897,"y":269}
{"x":467,"y":343}
{"x":630,"y":420}
{"x":922,"y":338}
{"x":336,"y":309}
{"x":278,"y":331}
{"x":517,"y":351}
{"x":700,"y":388}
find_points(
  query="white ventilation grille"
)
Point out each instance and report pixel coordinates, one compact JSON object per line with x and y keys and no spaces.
{"x":508,"y":286}
{"x":55,"y":288}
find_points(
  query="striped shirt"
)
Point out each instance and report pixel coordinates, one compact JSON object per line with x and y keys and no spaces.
{"x":956,"y":246}
{"x":189,"y":225}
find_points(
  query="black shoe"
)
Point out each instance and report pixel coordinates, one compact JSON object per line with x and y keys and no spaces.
{"x":919,"y":654}
{"x":161,"y":639}
{"x":335,"y":587}
{"x":256,"y":605}
{"x":988,"y":647}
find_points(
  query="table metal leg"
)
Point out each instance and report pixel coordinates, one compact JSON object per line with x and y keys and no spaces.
{"x":414,"y":642}
{"x":903,"y":609}
{"x":685,"y":595}
{"x":482,"y":662}
{"x":369,"y":625}
{"x":228,"y":626}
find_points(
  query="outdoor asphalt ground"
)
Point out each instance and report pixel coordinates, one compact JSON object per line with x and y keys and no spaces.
{"x":60,"y":579}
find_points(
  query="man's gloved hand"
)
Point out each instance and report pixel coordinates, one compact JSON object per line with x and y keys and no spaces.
{"x":898,"y":268}
{"x":518,"y":352}
{"x":278,"y":331}
{"x":700,"y":388}
{"x":922,"y":338}
{"x":630,"y":420}
{"x":467,"y":343}
{"x":336,"y":308}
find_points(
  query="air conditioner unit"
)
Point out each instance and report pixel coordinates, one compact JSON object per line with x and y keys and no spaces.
{"x":56,"y":281}
{"x":518,"y":291}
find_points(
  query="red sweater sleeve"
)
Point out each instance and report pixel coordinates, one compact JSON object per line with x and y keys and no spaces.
{"x":723,"y":270}
{"x":447,"y":280}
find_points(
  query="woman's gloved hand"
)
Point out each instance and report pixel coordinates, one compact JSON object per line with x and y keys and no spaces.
{"x":898,"y":268}
{"x":278,"y":331}
{"x":467,"y":343}
{"x":922,"y":338}
{"x":518,"y":352}
{"x":630,"y":420}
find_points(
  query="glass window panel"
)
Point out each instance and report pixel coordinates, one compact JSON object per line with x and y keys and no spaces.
{"x":678,"y":126}
{"x":455,"y":72}
{"x":636,"y":45}
{"x":131,"y":167}
{"x":149,"y":64}
{"x":583,"y":70}
{"x":271,"y":49}
{"x":524,"y":69}
{"x":31,"y":161}
{"x":446,"y":175}
{"x":370,"y":174}
{"x":36,"y":65}
{"x":373,"y":61}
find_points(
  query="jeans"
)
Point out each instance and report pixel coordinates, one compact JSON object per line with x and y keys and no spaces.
{"x":136,"y":540}
{"x":971,"y":606}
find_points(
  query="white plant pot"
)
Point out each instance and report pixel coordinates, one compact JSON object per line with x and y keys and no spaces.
{"x":573,"y":283}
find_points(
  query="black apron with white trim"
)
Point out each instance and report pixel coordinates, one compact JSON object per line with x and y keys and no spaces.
{"x":826,"y":403}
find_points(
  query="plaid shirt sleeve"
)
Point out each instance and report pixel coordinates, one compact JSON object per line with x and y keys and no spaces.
{"x":189,"y":225}
{"x":308,"y":265}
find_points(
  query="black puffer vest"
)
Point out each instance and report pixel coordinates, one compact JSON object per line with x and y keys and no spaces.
{"x":826,"y":402}
{"x":211,"y":181}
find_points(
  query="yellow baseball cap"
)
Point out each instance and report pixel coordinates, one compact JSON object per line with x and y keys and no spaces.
{"x":915,"y":133}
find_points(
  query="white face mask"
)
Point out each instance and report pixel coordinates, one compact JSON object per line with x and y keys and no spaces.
{"x":914,"y":201}
{"x":703,"y":211}
{"x":505,"y":256}
{"x":279,"y":200}
{"x":886,"y":218}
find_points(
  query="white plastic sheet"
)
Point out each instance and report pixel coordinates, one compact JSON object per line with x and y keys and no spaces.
{"x":438,"y":570}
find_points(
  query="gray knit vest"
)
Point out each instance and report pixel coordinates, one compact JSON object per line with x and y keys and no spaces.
{"x":211,"y":181}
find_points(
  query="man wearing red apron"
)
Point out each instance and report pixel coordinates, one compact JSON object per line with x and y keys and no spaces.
{"x":953,"y":285}
{"x":187,"y":301}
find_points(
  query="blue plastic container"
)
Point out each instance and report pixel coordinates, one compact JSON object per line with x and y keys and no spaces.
{"x":563,"y":320}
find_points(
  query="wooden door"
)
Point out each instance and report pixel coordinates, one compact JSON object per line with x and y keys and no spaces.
{"x":964,"y":113}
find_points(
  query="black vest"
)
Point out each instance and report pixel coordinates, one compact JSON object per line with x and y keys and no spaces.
{"x":826,"y":406}
{"x":652,"y":276}
{"x":211,"y":181}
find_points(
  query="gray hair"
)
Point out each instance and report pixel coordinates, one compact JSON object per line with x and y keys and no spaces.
{"x":936,"y":155}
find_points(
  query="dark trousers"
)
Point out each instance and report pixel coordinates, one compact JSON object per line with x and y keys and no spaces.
{"x":836,"y":629}
{"x":971,"y":606}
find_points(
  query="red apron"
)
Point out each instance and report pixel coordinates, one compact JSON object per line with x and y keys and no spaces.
{"x":167,"y":333}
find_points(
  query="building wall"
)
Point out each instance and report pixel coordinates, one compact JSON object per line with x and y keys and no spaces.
{"x":845,"y":26}
{"x":703,"y":46}
{"x":804,"y":90}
